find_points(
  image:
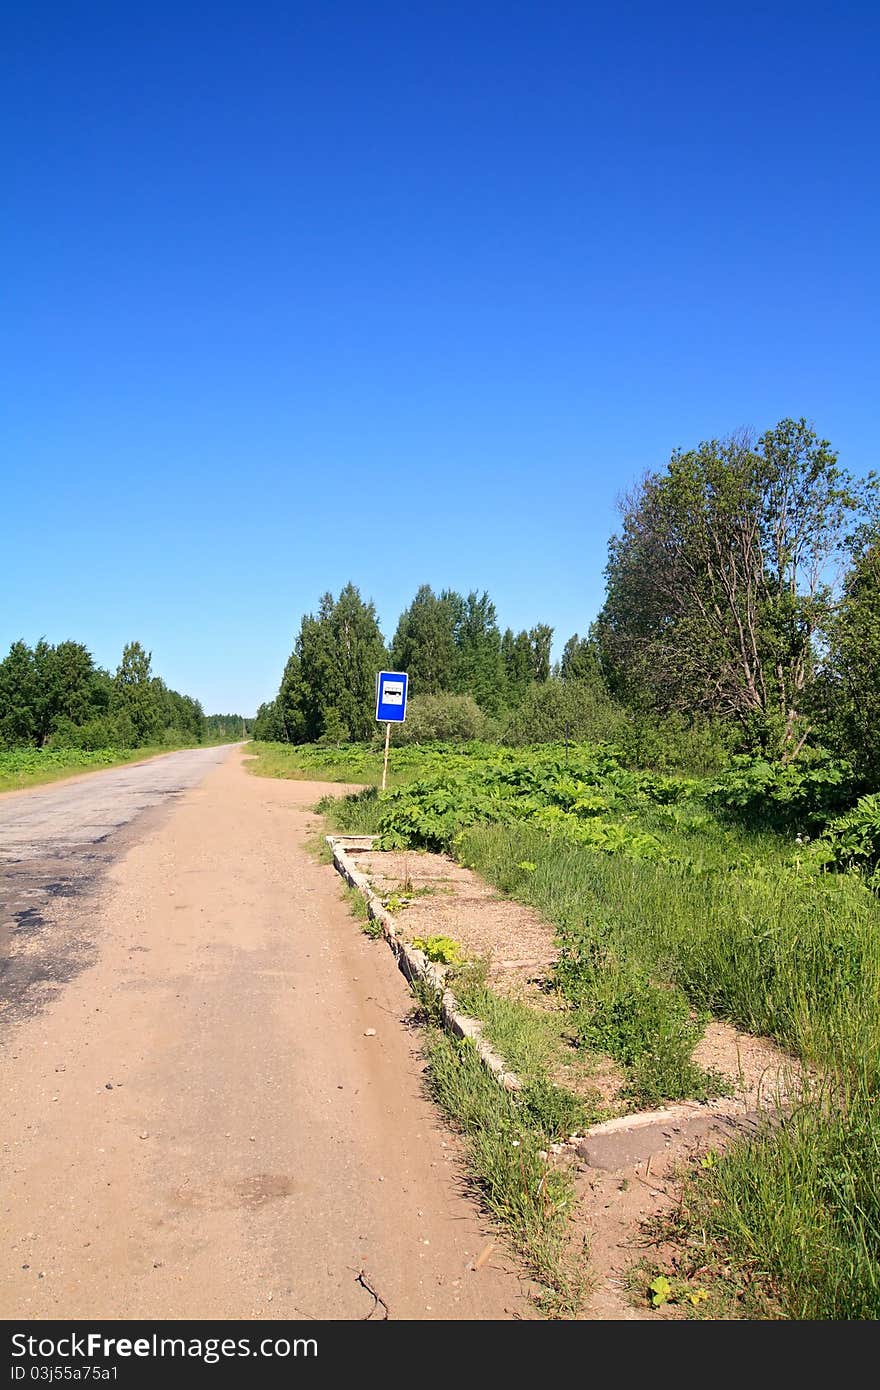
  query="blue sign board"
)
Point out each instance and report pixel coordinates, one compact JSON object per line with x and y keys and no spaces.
{"x":391,"y":696}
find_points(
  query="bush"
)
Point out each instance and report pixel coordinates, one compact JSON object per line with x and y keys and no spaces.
{"x":783,"y":796}
{"x":583,"y":711}
{"x":649,"y":1028}
{"x":699,"y":747}
{"x":176,"y":738}
{"x":853,"y":840}
{"x":441,"y":718}
{"x":578,"y":710}
{"x":104,"y":732}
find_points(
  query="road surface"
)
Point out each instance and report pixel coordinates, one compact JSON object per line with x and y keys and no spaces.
{"x":55,"y":842}
{"x":213,"y":1105}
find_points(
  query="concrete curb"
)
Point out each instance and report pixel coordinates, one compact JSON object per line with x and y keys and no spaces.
{"x":414,"y":964}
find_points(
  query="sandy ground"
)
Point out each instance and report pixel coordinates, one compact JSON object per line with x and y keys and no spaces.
{"x":199,"y":1119}
{"x":449,"y":900}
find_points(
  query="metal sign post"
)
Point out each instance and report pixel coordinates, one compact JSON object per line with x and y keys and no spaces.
{"x":385,"y":763}
{"x":391,"y":692}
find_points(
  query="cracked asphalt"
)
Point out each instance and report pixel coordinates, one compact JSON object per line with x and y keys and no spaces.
{"x":214,"y":1098}
{"x":56,"y":842}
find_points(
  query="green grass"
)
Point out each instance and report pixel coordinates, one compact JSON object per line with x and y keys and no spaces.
{"x":535,"y":1045}
{"x":505,"y":1145}
{"x":795,"y":958}
{"x":650,"y":1030}
{"x":357,"y":906}
{"x":352,"y":763}
{"x":352,"y":815}
{"x":357,"y":903}
{"x":799,"y":1210}
{"x":30,"y":767}
{"x":317,"y":846}
{"x":666,"y":916}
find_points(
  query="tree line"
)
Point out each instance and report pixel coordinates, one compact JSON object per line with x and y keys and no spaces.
{"x":450,"y":644}
{"x":58,"y":695}
{"x":227,"y":728}
{"x":742,"y":606}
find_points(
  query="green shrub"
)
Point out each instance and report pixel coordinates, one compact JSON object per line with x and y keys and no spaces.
{"x":584,"y":793}
{"x":440,"y":949}
{"x":557,"y":709}
{"x":557,"y":1111}
{"x":447,"y":718}
{"x":94,"y":734}
{"x":853,"y":840}
{"x":802,"y":794}
{"x":583,"y":711}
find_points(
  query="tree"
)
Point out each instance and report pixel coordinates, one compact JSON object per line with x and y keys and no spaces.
{"x":72,"y":683}
{"x":18,"y":696}
{"x":515,"y":657}
{"x":58,"y":695}
{"x":137,"y":703}
{"x":447,"y":643}
{"x":526,"y":658}
{"x":580,"y":660}
{"x":181,"y":717}
{"x":853,"y":665}
{"x":424,"y":643}
{"x":228,"y":728}
{"x":720,"y":580}
{"x":45,"y":688}
{"x":289,"y":705}
{"x":480,"y":669}
{"x":268,"y":725}
{"x":329,"y":683}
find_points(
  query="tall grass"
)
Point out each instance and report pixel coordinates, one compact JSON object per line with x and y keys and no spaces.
{"x":796,"y":958}
{"x":800,"y":1209}
{"x":533,"y":1044}
{"x":353,"y":815}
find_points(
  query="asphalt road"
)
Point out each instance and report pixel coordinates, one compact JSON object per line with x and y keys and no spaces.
{"x":55,"y":844}
{"x":213,"y":1099}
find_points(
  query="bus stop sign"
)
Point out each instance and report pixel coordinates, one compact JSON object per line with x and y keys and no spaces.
{"x":391,"y":696}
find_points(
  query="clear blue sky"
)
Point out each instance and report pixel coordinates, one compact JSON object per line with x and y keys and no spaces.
{"x":405,"y":293}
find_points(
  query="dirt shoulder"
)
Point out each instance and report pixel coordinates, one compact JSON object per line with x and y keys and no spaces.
{"x":222,"y":1114}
